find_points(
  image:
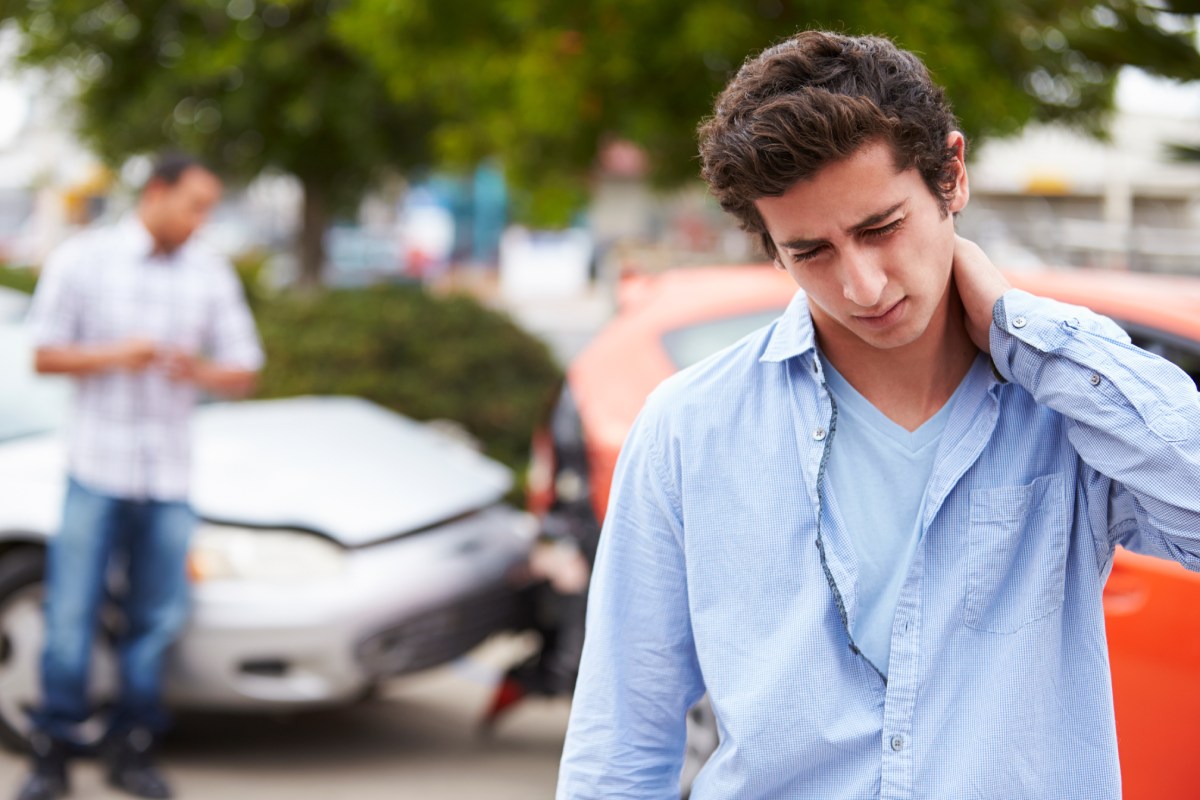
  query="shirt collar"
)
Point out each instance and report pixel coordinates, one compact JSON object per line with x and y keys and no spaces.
{"x":135,"y":236}
{"x":140,"y":242}
{"x":793,"y":333}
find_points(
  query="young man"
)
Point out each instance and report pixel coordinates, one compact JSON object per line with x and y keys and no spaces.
{"x":143,"y":321}
{"x":876,"y":533}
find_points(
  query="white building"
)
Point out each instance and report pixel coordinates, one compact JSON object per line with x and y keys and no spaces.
{"x":1123,"y":203}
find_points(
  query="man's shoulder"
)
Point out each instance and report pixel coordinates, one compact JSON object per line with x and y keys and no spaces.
{"x":719,"y":387}
{"x":78,"y":245}
{"x":210,"y":265}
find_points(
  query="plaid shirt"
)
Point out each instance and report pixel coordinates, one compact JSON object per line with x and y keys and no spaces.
{"x":130,"y":435}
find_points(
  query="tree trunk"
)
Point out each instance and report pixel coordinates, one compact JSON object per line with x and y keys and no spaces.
{"x":311,"y":240}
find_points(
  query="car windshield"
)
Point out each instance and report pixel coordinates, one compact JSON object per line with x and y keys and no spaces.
{"x":30,"y":403}
{"x":686,"y":346}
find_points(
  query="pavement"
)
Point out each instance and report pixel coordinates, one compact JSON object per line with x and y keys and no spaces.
{"x":418,"y":740}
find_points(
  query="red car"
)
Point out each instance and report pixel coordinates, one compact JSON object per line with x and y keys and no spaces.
{"x":671,"y":321}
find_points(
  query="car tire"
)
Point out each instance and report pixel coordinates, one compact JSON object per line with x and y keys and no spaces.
{"x":702,"y":740}
{"x":21,"y":631}
{"x":22,"y":628}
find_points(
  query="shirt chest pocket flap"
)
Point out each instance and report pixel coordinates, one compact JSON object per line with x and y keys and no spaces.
{"x":1017,"y":555}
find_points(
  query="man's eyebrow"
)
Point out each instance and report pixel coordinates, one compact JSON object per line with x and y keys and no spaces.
{"x":868,"y":222}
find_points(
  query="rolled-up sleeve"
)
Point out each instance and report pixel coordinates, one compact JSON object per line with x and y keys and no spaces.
{"x":55,"y":314}
{"x":1133,"y":417}
{"x":233,"y":337}
{"x":639,"y":673}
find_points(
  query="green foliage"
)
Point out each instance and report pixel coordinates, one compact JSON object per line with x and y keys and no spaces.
{"x":427,"y":357}
{"x":333,"y":91}
{"x":19,"y":278}
{"x":1184,"y":152}
{"x":247,"y":85}
{"x":542,"y":82}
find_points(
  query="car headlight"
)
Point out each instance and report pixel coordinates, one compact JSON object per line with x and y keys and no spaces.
{"x":229,"y":552}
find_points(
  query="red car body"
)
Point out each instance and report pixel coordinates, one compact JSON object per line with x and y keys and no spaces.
{"x":1152,"y":607}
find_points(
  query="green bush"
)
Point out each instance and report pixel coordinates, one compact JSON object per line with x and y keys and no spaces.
{"x":427,"y":357}
{"x":19,"y":278}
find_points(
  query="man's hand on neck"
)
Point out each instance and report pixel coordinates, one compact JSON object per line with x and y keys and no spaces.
{"x":979,"y":286}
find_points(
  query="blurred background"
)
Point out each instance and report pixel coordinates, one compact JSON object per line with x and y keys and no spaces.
{"x":434,"y":206}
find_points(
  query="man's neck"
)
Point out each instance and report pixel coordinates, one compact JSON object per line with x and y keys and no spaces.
{"x":158,"y":249}
{"x":907,"y":384}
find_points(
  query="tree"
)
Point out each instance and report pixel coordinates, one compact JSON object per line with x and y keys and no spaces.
{"x":247,"y":85}
{"x":542,"y":83}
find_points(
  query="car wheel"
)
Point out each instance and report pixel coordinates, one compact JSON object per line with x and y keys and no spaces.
{"x":702,"y":741}
{"x":22,"y":630}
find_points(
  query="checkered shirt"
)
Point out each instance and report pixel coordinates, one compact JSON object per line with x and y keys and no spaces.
{"x":129,"y":434}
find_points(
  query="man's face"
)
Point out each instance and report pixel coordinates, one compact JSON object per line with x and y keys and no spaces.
{"x":176,"y":212}
{"x":869,"y":245}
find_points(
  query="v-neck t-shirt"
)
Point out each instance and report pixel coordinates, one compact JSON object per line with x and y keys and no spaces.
{"x":878,"y":472}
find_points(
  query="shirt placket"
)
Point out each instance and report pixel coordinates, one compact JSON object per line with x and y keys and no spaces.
{"x":901,"y":693}
{"x":838,"y":568}
{"x":904,"y":670}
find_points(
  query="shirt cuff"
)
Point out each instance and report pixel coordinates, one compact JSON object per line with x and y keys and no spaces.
{"x":1026,"y":327}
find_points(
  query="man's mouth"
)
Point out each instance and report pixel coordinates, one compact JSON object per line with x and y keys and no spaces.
{"x":887,"y":316}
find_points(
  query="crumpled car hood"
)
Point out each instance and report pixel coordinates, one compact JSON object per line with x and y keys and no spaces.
{"x":339,"y":466}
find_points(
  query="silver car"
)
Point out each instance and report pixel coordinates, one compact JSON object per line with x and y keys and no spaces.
{"x":340,"y":544}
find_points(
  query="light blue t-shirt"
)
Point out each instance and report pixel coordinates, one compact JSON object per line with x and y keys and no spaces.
{"x":878,"y":472}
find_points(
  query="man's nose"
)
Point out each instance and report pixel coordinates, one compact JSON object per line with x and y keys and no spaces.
{"x":863,"y":278}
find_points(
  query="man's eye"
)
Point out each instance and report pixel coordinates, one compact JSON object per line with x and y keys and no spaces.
{"x":891,"y":227}
{"x":807,"y":255}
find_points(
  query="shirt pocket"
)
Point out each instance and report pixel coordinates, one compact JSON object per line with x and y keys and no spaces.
{"x":1016,"y":566}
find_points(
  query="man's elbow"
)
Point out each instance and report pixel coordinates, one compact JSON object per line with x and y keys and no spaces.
{"x":240,"y":385}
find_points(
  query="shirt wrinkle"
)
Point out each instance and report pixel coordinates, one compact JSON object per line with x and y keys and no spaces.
{"x":998,"y":685}
{"x":129,"y":433}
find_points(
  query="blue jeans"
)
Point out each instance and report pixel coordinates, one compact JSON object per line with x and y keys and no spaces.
{"x":149,"y":539}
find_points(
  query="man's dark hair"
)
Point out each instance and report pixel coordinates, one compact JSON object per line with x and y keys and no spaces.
{"x":815,"y":99}
{"x":169,"y":168}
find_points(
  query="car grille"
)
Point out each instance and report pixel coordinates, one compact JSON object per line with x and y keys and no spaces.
{"x":438,"y":635}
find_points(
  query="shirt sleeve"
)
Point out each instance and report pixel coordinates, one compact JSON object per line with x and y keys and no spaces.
{"x":233,"y":338}
{"x":54,"y":317}
{"x":1133,"y":417}
{"x":639,"y":674}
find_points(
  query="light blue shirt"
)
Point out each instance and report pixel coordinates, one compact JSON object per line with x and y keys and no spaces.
{"x":877,"y":478}
{"x":721,"y":569}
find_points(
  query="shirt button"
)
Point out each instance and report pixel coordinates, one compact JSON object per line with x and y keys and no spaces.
{"x":897,"y":743}
{"x":1018,"y":322}
{"x":819,"y":434}
{"x":1095,"y":379}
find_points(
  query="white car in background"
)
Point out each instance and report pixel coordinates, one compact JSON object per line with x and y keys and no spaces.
{"x":340,"y":544}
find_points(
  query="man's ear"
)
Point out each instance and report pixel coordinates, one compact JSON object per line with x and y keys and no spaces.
{"x":962,"y":192}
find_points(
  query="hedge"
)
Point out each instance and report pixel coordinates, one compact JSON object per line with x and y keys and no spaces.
{"x":426,"y":356}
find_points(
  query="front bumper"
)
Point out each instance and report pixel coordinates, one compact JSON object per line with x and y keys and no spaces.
{"x":399,"y":606}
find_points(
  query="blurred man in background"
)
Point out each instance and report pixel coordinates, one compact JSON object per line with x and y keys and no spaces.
{"x":144,"y":321}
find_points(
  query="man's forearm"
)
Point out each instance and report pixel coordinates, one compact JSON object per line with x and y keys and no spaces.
{"x":227,"y":382}
{"x":78,"y":359}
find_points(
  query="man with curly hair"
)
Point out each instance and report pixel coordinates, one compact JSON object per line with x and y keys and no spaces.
{"x":877,"y":531}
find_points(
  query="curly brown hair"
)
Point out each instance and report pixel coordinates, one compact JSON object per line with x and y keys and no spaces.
{"x":815,"y":99}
